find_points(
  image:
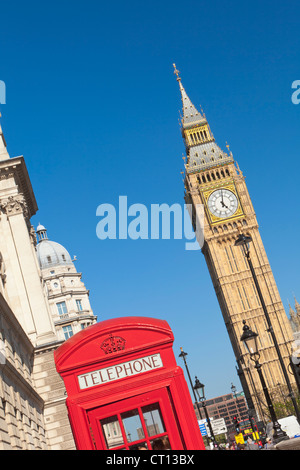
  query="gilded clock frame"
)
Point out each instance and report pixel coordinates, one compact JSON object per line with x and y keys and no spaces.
{"x":214,"y":219}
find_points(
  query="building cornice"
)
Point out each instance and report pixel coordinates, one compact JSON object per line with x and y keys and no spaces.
{"x":16,"y":167}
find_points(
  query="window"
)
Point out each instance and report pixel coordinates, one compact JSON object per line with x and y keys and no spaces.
{"x":246,"y":297}
{"x":233,"y":257}
{"x":79,"y":305}
{"x":136,"y":429}
{"x":133,"y":425}
{"x":241,"y":298}
{"x":112,"y":432}
{"x":62,"y":308}
{"x":153,"y":419}
{"x":229,"y":260}
{"x":68,"y":332}
{"x":255,"y":292}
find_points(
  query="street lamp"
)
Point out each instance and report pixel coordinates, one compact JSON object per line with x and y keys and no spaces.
{"x":233,"y":390}
{"x":249,"y":338}
{"x":244,"y":242}
{"x":199,"y":388}
{"x":183,"y":355}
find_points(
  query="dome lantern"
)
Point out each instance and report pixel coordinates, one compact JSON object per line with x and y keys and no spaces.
{"x":41,"y":232}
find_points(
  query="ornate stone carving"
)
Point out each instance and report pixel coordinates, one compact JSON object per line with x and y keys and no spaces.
{"x":14,"y":205}
{"x":32,"y":235}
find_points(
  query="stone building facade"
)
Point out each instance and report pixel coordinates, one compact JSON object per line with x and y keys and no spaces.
{"x":21,"y":406}
{"x":43,"y":301}
{"x":295,"y":319}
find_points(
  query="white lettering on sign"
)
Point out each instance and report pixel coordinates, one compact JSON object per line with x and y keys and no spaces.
{"x":119,"y":371}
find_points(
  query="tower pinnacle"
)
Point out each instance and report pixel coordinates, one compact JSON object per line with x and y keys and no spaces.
{"x":201,"y":148}
{"x":191,"y":116}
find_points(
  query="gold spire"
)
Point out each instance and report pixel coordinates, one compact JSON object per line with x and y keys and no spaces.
{"x":176,"y":73}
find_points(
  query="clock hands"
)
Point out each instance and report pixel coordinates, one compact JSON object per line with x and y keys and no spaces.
{"x":222,"y":201}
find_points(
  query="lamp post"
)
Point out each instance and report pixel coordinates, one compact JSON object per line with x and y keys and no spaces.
{"x":183,"y":355}
{"x":244,"y":242}
{"x":249,"y":338}
{"x":199,"y":388}
{"x":233,"y":390}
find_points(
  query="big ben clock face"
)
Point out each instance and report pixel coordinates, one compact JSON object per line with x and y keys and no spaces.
{"x":222,"y":203}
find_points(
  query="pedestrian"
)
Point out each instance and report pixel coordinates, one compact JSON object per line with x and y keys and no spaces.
{"x":269,"y":444}
{"x":250,"y":445}
{"x":240,"y":446}
{"x":161,"y":444}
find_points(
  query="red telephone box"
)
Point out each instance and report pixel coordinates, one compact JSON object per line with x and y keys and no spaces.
{"x":125,"y":390}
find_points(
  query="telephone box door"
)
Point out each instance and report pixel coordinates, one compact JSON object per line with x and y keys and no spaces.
{"x":146,"y":421}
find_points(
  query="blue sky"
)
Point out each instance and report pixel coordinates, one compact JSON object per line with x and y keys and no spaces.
{"x":93,"y":105}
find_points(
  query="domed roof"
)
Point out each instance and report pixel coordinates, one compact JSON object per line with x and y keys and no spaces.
{"x":40,"y":228}
{"x":50,"y":253}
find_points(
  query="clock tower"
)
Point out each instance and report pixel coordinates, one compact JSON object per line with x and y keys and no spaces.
{"x":214,"y":180}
